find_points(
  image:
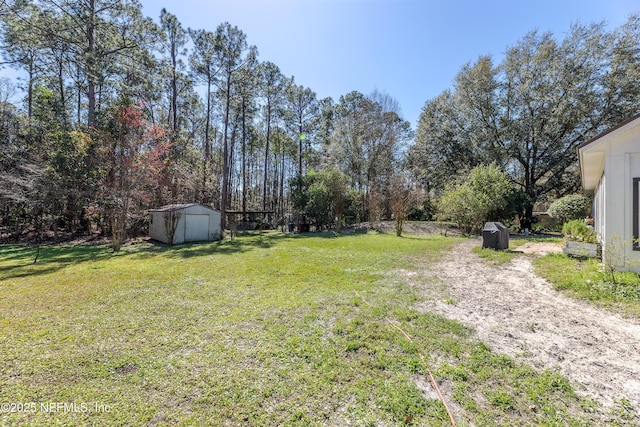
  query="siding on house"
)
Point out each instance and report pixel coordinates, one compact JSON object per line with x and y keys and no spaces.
{"x":599,"y":218}
{"x":609,"y":164}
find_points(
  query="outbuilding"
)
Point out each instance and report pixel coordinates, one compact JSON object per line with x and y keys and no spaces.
{"x":610,"y":171}
{"x":189,"y":222}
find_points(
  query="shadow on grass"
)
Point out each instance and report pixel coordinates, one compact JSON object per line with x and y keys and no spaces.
{"x":242,"y":243}
{"x":20,"y":259}
{"x":17,"y":261}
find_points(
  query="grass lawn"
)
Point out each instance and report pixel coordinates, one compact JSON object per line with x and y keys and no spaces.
{"x":503,"y":257}
{"x":264,"y":330}
{"x":585,"y":279}
{"x":581,"y":278}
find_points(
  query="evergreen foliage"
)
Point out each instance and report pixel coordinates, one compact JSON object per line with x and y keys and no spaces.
{"x":479,"y":197}
{"x":570,"y":207}
{"x":529,"y":112}
{"x":232,"y":132}
{"x":115,"y":123}
{"x":324,"y":197}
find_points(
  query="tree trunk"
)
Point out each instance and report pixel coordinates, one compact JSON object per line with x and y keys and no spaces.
{"x":244,"y":162}
{"x":207,"y":145}
{"x":79,"y":101}
{"x":275,"y":186}
{"x":300,"y":146}
{"x":62,"y":95}
{"x":30,"y":90}
{"x":174,"y":91}
{"x":225,"y":158}
{"x":527,"y":219}
{"x":91,"y":66}
{"x":266,"y":161}
{"x":232,"y":147}
{"x":281,"y":196}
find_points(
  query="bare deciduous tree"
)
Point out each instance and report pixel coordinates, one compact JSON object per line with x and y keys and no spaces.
{"x":401,"y":199}
{"x":171,"y":219}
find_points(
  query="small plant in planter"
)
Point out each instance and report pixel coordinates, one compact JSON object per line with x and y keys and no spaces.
{"x":578,"y":230}
{"x":581,"y":239}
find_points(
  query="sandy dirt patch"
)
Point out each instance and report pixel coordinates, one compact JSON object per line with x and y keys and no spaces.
{"x":539,"y":248}
{"x":517,"y":313}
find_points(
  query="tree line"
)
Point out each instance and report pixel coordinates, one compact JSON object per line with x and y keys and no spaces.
{"x":528,"y":113}
{"x":122,"y":114}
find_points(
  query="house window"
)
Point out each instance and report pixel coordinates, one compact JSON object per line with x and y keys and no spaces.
{"x":636,"y":214}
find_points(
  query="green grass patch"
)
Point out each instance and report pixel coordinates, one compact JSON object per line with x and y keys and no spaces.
{"x":585,"y":279}
{"x":264,"y":330}
{"x":496,"y":257}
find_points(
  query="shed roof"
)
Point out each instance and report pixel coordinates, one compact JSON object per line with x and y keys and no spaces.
{"x":178,"y":207}
{"x":592,"y":152}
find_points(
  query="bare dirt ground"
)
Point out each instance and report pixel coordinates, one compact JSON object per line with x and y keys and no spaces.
{"x":414,"y":227}
{"x":517,"y":313}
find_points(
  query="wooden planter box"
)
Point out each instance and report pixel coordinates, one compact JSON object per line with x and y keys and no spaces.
{"x":581,"y":249}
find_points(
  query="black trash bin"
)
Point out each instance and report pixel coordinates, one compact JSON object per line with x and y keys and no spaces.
{"x":495,"y":236}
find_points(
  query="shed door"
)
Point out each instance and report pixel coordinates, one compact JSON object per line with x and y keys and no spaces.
{"x":196,"y":228}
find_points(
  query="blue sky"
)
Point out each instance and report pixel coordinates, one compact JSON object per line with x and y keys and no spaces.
{"x":410,"y":49}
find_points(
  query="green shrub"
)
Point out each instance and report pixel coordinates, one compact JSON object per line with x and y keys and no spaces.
{"x":578,"y":230}
{"x":477,"y":198}
{"x":322,"y":196}
{"x":567,"y":208}
{"x":424,"y":212}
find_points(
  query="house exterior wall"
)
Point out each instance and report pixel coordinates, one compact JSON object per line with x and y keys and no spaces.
{"x":189,"y":224}
{"x":599,"y":212}
{"x":622,"y":165}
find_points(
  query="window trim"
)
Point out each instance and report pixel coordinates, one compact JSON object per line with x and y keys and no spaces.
{"x":636,"y":214}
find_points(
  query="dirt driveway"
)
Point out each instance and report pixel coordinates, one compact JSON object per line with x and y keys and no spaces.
{"x":517,"y":313}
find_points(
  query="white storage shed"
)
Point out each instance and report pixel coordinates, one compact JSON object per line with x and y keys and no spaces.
{"x":189,"y":222}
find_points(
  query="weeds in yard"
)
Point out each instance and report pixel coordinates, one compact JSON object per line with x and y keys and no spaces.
{"x":263,"y":330}
{"x":587,"y":279}
{"x":614,"y":259}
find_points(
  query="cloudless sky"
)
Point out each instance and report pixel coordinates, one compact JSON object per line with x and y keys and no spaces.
{"x":410,"y":49}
